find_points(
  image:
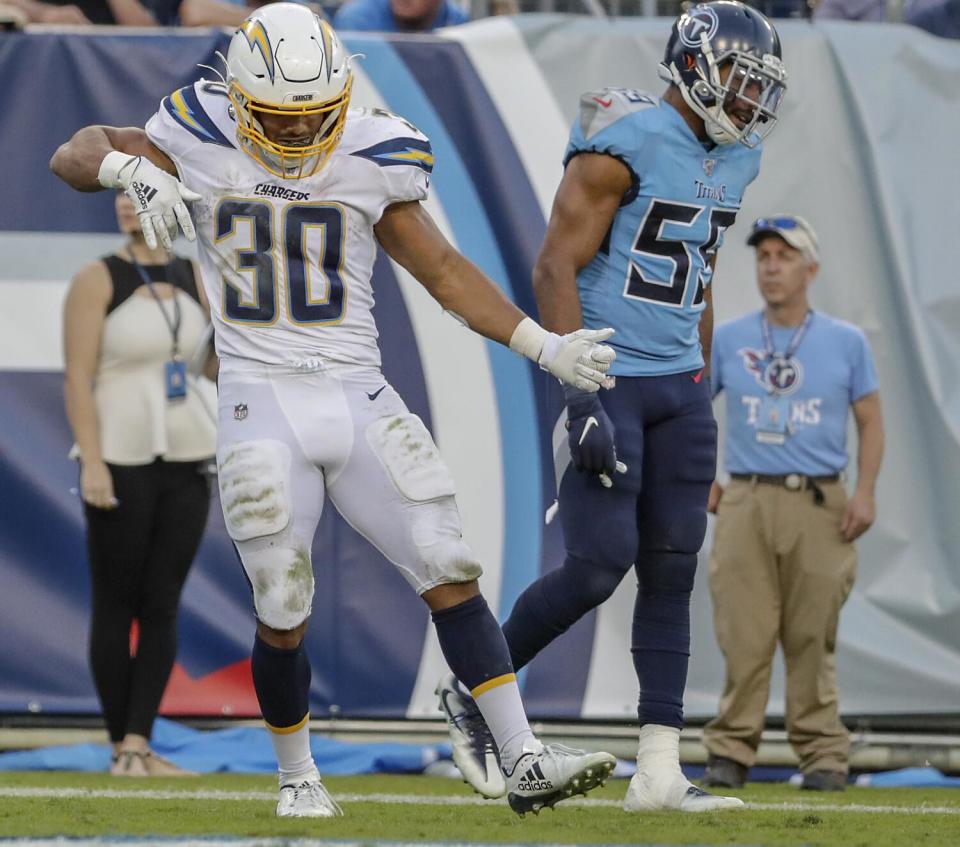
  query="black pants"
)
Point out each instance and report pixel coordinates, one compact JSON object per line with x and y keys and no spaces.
{"x":140,"y":554}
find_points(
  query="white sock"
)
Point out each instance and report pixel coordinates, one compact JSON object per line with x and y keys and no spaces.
{"x":658,"y":752}
{"x":499,"y":702}
{"x":292,"y":748}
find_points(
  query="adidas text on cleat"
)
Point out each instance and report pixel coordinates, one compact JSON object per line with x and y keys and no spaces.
{"x":474,"y":750}
{"x":307,"y":799}
{"x":554,"y":773}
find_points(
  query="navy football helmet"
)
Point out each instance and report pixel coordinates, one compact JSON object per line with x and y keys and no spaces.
{"x":727,"y":55}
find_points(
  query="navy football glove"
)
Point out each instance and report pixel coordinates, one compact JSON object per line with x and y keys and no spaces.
{"x":591,"y":437}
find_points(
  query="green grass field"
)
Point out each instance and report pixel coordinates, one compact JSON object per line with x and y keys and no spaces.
{"x":424,"y":809}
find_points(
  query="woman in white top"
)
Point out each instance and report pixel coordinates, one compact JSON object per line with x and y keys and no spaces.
{"x":135,"y":330}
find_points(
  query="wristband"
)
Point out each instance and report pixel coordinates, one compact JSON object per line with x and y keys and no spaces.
{"x":528,"y":339}
{"x":111,"y":169}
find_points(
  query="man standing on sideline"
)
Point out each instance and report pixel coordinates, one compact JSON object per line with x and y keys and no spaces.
{"x":783,"y":558}
{"x":651,"y":184}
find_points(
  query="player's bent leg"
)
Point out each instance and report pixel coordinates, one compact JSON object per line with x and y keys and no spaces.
{"x":534,"y":776}
{"x":600,"y":534}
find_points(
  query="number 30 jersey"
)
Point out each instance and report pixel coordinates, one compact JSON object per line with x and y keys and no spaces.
{"x":647,"y":279}
{"x":286,"y":263}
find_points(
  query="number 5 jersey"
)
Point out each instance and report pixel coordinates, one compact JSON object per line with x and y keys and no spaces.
{"x":286,"y":263}
{"x":648,"y":278}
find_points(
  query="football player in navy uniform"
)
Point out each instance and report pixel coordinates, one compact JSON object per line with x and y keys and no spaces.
{"x":650,"y":185}
{"x":291,"y":193}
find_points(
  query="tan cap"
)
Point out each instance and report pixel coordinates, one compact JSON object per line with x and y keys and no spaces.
{"x":791,"y":228}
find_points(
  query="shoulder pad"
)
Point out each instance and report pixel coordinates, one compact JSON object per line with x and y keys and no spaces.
{"x":388,"y":139}
{"x":188,"y":106}
{"x":382,"y":123}
{"x":600,"y":109}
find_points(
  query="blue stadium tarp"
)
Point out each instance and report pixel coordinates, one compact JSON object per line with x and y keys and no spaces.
{"x":237,"y":750}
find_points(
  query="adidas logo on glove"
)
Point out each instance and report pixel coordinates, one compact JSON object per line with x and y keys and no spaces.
{"x":145,"y":193}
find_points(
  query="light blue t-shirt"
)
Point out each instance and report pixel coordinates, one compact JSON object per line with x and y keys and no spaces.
{"x":376,"y":16}
{"x":790,"y":417}
{"x":647,"y":279}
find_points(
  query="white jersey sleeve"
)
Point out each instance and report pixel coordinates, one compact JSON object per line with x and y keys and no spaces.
{"x":402,"y":154}
{"x":183,"y":126}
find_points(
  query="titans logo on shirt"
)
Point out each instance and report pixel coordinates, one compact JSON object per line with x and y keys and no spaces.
{"x":777,"y":375}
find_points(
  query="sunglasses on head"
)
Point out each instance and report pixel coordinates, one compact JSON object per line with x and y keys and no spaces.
{"x":775,"y":223}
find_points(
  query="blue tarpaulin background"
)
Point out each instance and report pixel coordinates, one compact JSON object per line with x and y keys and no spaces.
{"x":237,"y":750}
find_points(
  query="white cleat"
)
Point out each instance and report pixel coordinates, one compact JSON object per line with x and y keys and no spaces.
{"x":663,"y":790}
{"x":659,"y":784}
{"x":474,"y":750}
{"x":307,"y":798}
{"x":554,"y":773}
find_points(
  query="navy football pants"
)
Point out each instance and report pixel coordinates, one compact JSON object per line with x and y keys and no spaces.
{"x":653,"y":519}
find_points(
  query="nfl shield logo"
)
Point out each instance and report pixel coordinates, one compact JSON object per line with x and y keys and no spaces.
{"x":708,"y":166}
{"x":240,"y":412}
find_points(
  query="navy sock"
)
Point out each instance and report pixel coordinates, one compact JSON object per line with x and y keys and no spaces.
{"x":282,"y":682}
{"x":472,"y":642}
{"x":661,"y":649}
{"x":554,"y":603}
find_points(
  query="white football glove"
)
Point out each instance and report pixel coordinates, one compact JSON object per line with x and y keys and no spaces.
{"x":157,"y":196}
{"x":577,"y":358}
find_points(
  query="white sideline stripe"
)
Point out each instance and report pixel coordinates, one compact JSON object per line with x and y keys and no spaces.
{"x":221,"y":841}
{"x":433,"y":800}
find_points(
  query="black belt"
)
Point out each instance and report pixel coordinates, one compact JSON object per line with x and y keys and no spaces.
{"x":790,"y":481}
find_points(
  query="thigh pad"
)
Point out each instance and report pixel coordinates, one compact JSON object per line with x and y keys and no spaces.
{"x":254,"y":480}
{"x":406,"y":450}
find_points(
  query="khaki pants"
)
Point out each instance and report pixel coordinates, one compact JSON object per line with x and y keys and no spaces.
{"x":780,"y":570}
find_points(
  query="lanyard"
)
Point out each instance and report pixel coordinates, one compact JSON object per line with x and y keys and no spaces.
{"x":172,"y":325}
{"x":795,"y":339}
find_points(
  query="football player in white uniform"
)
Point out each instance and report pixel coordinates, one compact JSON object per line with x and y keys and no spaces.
{"x":290,"y":193}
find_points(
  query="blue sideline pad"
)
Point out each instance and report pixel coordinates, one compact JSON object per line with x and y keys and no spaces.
{"x":909,"y":778}
{"x":238,"y":750}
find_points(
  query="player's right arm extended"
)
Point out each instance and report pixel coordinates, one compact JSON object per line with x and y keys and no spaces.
{"x":113,"y":157}
{"x":410,"y":236}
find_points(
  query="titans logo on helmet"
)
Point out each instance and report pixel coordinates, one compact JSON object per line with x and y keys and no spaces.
{"x":701,"y":20}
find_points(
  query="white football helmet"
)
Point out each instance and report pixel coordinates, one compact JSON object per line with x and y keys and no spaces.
{"x":284,"y":60}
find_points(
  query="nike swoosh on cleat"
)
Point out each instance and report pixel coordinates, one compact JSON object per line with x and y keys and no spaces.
{"x":376,"y":393}
{"x":591,"y":421}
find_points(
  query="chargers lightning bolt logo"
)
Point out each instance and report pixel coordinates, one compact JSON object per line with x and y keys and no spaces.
{"x":256,"y":37}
